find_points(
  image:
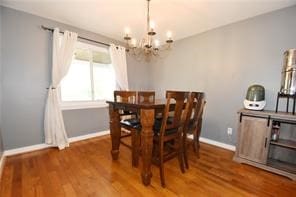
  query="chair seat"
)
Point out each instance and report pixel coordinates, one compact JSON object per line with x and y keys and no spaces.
{"x":190,"y":126}
{"x":136,"y":124}
{"x":126,"y":113}
{"x":167,"y":132}
{"x":157,"y":126}
{"x":132,"y":123}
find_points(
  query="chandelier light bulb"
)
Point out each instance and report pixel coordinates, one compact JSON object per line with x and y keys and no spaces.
{"x":127,"y":30}
{"x":169,"y":35}
{"x":134,"y":42}
{"x":152,"y":25}
{"x":156,"y":43}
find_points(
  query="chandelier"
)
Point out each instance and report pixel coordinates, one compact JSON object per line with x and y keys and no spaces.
{"x":148,"y":46}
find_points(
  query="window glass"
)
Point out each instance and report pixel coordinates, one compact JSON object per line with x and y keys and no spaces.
{"x":104,"y":81}
{"x":91,"y":76}
{"x":76,"y":85}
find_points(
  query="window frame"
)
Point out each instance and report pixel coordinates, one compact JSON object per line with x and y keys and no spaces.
{"x":87,"y":104}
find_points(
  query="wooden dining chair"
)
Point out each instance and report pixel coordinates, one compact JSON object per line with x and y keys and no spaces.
{"x":168,"y":132}
{"x":133,"y":125}
{"x":125,"y":96}
{"x":193,"y":122}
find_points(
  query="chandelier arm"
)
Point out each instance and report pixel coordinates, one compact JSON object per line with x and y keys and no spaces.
{"x":165,"y":47}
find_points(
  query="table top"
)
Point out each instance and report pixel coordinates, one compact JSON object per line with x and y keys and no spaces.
{"x":158,"y":103}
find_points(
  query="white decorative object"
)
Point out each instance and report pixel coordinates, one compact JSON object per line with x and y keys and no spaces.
{"x":254,"y":105}
{"x":255,"y":98}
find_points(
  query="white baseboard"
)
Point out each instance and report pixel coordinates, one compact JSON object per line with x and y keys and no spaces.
{"x":43,"y":146}
{"x":88,"y":136}
{"x":215,"y":143}
{"x":97,"y":134}
{"x":25,"y":149}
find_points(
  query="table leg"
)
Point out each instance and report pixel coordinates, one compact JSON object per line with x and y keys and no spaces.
{"x":147,"y":121}
{"x":277,"y":103}
{"x":287,"y":109}
{"x":294,"y":100}
{"x":115,"y":131}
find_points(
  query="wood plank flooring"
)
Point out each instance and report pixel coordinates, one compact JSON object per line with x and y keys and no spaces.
{"x":86,"y":169}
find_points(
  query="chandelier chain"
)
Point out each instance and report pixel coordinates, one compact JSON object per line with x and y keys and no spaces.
{"x":148,"y":14}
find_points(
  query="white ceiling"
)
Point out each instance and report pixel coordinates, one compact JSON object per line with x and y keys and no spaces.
{"x":183,"y":17}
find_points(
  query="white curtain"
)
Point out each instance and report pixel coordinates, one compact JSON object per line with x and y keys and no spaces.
{"x":63,"y":49}
{"x":118,"y":59}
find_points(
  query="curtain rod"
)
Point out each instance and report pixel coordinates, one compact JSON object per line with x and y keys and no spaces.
{"x":87,"y":39}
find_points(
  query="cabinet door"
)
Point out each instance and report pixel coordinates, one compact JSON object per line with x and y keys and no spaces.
{"x":254,"y":139}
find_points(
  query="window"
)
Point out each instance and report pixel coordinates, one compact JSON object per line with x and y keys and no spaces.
{"x":90,"y":78}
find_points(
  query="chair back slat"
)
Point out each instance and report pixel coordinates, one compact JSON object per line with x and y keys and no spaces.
{"x":197,"y":103}
{"x":125,"y":96}
{"x":178,"y":98}
{"x":146,"y":96}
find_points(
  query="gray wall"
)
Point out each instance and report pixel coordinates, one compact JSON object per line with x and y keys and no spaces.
{"x":1,"y":143}
{"x":26,"y":58}
{"x":223,"y":62}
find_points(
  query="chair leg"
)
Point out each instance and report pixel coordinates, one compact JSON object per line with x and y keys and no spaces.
{"x":198,"y":135}
{"x":161,"y":164}
{"x":196,"y":142}
{"x":180,"y":153}
{"x":195,"y":145}
{"x":135,"y":148}
{"x":184,"y":144}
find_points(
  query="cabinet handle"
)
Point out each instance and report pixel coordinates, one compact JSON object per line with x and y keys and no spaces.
{"x":265,"y":142}
{"x":268,"y":121}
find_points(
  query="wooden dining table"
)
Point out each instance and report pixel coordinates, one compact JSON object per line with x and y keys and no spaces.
{"x":147,"y":111}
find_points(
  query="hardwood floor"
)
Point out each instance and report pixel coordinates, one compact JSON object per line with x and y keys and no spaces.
{"x":86,"y":169}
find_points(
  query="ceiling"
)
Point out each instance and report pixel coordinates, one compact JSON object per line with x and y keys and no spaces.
{"x":183,"y":17}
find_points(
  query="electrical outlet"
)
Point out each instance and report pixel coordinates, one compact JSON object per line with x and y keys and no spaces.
{"x":229,"y":131}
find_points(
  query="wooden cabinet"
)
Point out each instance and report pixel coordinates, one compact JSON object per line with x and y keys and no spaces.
{"x":254,"y":144}
{"x":254,"y":133}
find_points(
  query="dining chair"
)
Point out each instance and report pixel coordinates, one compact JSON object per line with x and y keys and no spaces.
{"x":133,"y":125}
{"x":125,"y":96}
{"x":167,"y":140}
{"x":193,"y":123}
